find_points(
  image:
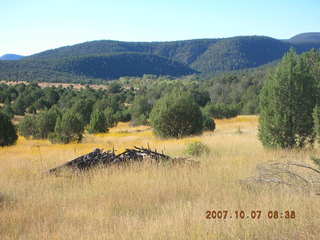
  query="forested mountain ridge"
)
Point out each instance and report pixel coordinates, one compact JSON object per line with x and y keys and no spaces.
{"x":306,"y":37}
{"x":10,"y":56}
{"x":122,"y":64}
{"x":183,"y":51}
{"x":91,"y":67}
{"x":106,"y":59}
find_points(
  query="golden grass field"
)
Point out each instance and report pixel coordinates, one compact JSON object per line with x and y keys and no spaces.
{"x":144,"y":201}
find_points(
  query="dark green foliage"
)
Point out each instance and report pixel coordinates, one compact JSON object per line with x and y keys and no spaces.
{"x":202,"y":97}
{"x":98,"y":122}
{"x":115,"y":87}
{"x":112,"y":102}
{"x":84,"y":108}
{"x":316,"y":122}
{"x":68,"y":128}
{"x":32,"y":109}
{"x":27,"y":127}
{"x":39,"y":126}
{"x":45,"y":123}
{"x":120,"y":116}
{"x":176,"y":115}
{"x":8,"y":134}
{"x":208,"y":123}
{"x":197,"y":149}
{"x":112,"y":118}
{"x":239,"y":88}
{"x":19,"y":106}
{"x":287,"y":102}
{"x":140,"y":110}
{"x":221,"y":110}
{"x":7,"y":110}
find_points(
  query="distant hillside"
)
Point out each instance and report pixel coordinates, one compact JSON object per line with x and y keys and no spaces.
{"x":306,"y":37}
{"x":122,"y":64}
{"x":11,"y":57}
{"x":92,"y":67}
{"x":240,"y":53}
{"x":181,"y":51}
{"x":106,"y":59}
{"x":203,"y":55}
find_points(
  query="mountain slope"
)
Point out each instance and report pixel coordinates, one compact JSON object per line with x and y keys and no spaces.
{"x":203,"y":55}
{"x":11,"y":57}
{"x":106,"y":59}
{"x":182,"y":51}
{"x":104,"y":67}
{"x":240,"y":53}
{"x":122,"y":64}
{"x":306,"y":37}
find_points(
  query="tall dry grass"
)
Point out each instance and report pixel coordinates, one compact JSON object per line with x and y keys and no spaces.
{"x":144,"y":201}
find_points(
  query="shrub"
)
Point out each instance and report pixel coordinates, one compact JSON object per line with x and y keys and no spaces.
{"x":84,"y":109}
{"x":111,"y":117}
{"x":208,"y":123}
{"x":176,"y":116}
{"x":197,"y":149}
{"x":221,"y":110}
{"x":140,"y":110}
{"x":39,"y":126}
{"x":45,"y":124}
{"x":98,"y":122}
{"x":8,"y":133}
{"x":27,"y":127}
{"x":68,"y":128}
{"x":7,"y":109}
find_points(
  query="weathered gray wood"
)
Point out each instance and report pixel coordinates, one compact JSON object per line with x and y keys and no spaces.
{"x":98,"y":157}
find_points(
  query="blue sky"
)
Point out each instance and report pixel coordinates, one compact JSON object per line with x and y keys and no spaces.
{"x":30,"y":26}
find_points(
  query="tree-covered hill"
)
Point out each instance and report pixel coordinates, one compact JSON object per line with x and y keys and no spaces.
{"x":183,"y":51}
{"x":204,"y":55}
{"x":106,"y":59}
{"x":122,"y":64}
{"x":11,"y":57}
{"x":306,"y":37}
{"x":88,"y":68}
{"x":240,"y":53}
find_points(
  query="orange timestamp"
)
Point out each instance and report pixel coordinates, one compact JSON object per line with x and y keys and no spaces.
{"x":251,"y":214}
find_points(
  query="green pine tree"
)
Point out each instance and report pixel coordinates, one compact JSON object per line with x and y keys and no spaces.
{"x":98,"y":122}
{"x":286,"y":105}
{"x":68,"y":128}
{"x":8,"y":134}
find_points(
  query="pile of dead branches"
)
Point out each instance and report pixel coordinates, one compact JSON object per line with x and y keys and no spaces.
{"x":107,"y":158}
{"x":296,"y":176}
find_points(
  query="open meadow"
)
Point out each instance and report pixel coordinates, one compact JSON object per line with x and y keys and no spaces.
{"x":145,"y":201}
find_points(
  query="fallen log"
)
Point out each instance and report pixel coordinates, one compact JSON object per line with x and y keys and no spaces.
{"x":295,"y":176}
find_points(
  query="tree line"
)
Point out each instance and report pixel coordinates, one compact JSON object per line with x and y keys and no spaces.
{"x":288,"y":104}
{"x":62,"y":115}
